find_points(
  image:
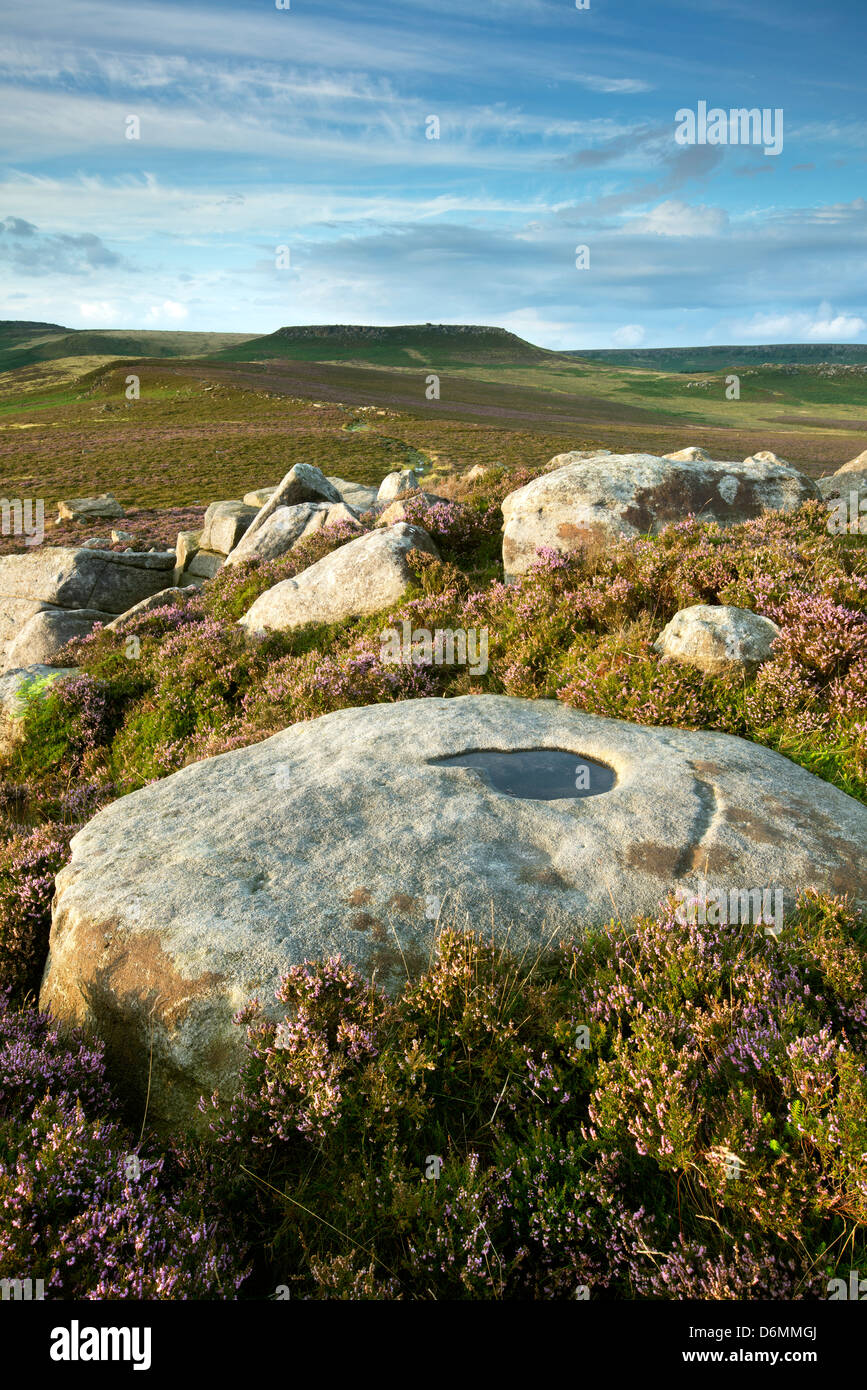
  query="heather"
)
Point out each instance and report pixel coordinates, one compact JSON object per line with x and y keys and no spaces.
{"x":85,"y":1207}
{"x":579,"y":629}
{"x":656,"y":1110}
{"x":653,"y":1111}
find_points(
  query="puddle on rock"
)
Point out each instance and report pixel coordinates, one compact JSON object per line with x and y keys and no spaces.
{"x":537,"y":774}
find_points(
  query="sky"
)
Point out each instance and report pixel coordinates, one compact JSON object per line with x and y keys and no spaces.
{"x":437,"y":161}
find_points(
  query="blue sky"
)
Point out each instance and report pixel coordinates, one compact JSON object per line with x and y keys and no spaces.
{"x":306,"y":128}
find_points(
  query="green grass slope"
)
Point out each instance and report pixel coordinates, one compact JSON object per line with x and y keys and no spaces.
{"x":436,"y":345}
{"x":710,"y":359}
{"x":25,"y":344}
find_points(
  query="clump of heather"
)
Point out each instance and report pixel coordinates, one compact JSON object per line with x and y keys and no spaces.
{"x":663,"y":1110}
{"x":29,"y":860}
{"x":139,"y":712}
{"x":578,"y":628}
{"x":85,"y":1209}
{"x":459,"y":530}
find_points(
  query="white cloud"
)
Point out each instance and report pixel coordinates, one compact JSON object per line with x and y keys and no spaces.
{"x":169,"y":309}
{"x":544,"y":332}
{"x":620,"y":85}
{"x":823,"y":326}
{"x":676,"y":218}
{"x":630,"y":335}
{"x":99,"y":311}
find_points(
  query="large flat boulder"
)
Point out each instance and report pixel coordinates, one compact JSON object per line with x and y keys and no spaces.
{"x":606,"y":497}
{"x":349,"y":834}
{"x":287,"y":527}
{"x":75,"y":577}
{"x":363,"y":576}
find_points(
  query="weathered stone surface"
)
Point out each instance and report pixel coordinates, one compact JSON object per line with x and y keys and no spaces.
{"x":718,"y":639}
{"x":396,"y":511}
{"x":117,"y":537}
{"x":303,"y":483}
{"x":14,"y":686}
{"x":603,"y":498}
{"x":692,"y":454}
{"x":855,"y":465}
{"x":287,"y":527}
{"x":45,"y":635}
{"x":185,"y":899}
{"x":74,"y":577}
{"x":767,"y":456}
{"x":361,"y":577}
{"x":204,"y":564}
{"x":224,"y":525}
{"x":356,"y":495}
{"x":90,"y":508}
{"x":575,"y":456}
{"x":154,"y":601}
{"x":843,"y":484}
{"x":186,"y":547}
{"x":259,"y":496}
{"x":397,"y":484}
{"x":477,"y":471}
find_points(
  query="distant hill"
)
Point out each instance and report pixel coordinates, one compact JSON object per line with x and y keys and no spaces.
{"x":404,"y":345}
{"x":420,"y":345}
{"x":714,"y":359}
{"x":23,"y":344}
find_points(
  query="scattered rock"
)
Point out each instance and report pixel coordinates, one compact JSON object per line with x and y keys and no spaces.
{"x":118,"y":536}
{"x":185,"y":899}
{"x":690,"y":455}
{"x":90,"y":508}
{"x":477,"y":471}
{"x":204,"y":564}
{"x":259,"y":496}
{"x":74,"y":577}
{"x":603,"y":498}
{"x":718,"y":639}
{"x":187,"y":545}
{"x":855,"y":465}
{"x":397,"y":484}
{"x":767,"y":456}
{"x":287,"y":527}
{"x":303,"y":483}
{"x":224,"y":525}
{"x":45,"y":635}
{"x":575,"y":456}
{"x":356,"y":495}
{"x":363,"y":576}
{"x":843,"y":484}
